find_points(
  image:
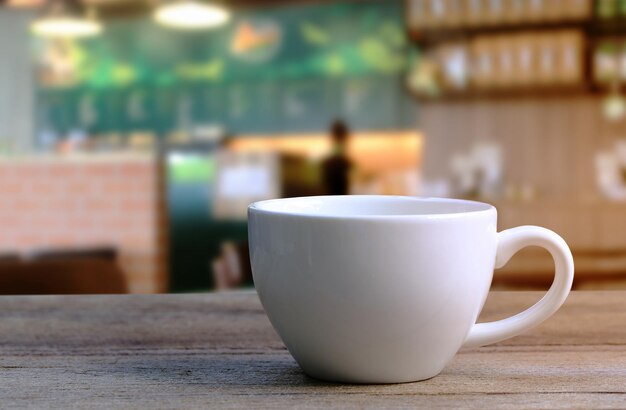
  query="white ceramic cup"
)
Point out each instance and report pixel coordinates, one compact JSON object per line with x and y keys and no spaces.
{"x":385,"y":289}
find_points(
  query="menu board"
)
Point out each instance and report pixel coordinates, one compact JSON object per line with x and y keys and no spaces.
{"x":286,"y":69}
{"x":307,"y":105}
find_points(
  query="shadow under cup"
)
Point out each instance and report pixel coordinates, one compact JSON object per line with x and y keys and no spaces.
{"x":372,"y":289}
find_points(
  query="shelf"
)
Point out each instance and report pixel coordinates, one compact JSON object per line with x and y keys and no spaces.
{"x":591,"y":27}
{"x":613,"y":27}
{"x":510,"y":93}
{"x":430,"y":37}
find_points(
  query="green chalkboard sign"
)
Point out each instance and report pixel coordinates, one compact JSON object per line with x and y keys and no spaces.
{"x":289,"y":69}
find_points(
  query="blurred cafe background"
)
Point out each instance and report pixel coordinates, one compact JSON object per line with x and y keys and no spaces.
{"x":134,"y":133}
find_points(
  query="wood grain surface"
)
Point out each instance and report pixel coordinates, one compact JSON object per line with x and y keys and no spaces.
{"x":219,"y":351}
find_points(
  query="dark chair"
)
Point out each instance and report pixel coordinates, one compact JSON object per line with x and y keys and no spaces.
{"x":9,"y":257}
{"x":61,"y":277}
{"x":106,"y":253}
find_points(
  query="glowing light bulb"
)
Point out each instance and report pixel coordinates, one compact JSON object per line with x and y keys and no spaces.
{"x":66,"y":27}
{"x":191,"y":15}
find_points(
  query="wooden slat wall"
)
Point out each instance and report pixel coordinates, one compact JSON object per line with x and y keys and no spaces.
{"x":549,"y":143}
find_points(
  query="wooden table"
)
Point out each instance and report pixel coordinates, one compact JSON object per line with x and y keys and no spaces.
{"x":219,"y":350}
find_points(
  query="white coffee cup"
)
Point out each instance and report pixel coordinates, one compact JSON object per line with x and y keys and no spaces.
{"x":386,"y":289}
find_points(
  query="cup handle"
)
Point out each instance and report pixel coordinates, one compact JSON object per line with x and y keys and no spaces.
{"x":510,"y":242}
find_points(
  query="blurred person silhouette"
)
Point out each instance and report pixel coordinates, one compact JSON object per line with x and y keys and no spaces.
{"x":336,"y":167}
{"x":231,"y":269}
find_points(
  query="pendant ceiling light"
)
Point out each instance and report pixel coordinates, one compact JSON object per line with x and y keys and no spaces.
{"x":191,"y":14}
{"x":66,"y":18}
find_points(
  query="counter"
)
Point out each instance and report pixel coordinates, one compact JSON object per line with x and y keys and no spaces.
{"x":220,"y":351}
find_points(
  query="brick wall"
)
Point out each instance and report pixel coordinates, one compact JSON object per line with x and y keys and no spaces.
{"x":77,"y":202}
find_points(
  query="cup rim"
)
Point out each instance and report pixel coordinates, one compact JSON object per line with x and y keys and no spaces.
{"x":277,"y":207}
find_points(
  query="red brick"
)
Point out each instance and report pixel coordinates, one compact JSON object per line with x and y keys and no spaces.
{"x":79,"y":221}
{"x":7,"y":244}
{"x":141,"y":221}
{"x":92,"y":206}
{"x":139,"y":240}
{"x":30,"y":171}
{"x":62,"y":204}
{"x":138,"y":204}
{"x":62,"y":240}
{"x":63,"y":171}
{"x":28,"y":204}
{"x":79,"y":186}
{"x":118,"y":186}
{"x":138,"y":169}
{"x":28,"y":239}
{"x":45,"y":187}
{"x":103,"y":170}
{"x":9,"y":188}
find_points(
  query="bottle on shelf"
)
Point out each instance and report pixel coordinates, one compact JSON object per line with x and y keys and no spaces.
{"x":475,"y":12}
{"x":514,"y":11}
{"x":524,"y":56}
{"x":505,"y":60}
{"x":483,"y":63}
{"x":577,"y":9}
{"x":570,"y":57}
{"x":547,"y":59}
{"x":494,"y":12}
{"x":454,"y":13}
{"x":554,"y":10}
{"x":454,"y":66}
{"x":417,"y":14}
{"x":535,"y":10}
{"x":437,"y":11}
{"x":605,"y":63}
